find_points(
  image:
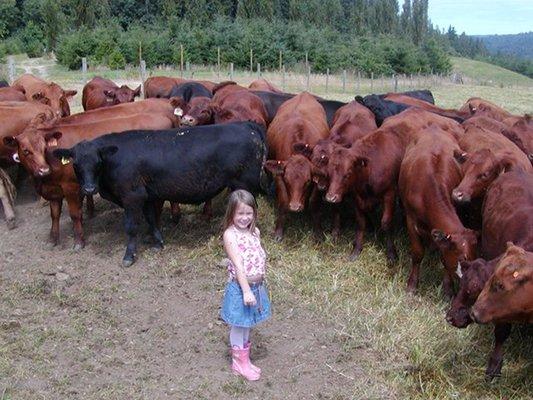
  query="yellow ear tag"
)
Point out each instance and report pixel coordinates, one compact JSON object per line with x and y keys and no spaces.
{"x":65,"y":160}
{"x":515,"y":274}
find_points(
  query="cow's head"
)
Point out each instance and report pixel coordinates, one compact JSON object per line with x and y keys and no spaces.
{"x":506,"y":297}
{"x":472,"y":277}
{"x":54,"y":96}
{"x":122,"y":94}
{"x":295,"y":174}
{"x":344,"y":169}
{"x":455,"y":247}
{"x":88,"y":160}
{"x":198,"y":111}
{"x":31,"y":145}
{"x":480,"y":169}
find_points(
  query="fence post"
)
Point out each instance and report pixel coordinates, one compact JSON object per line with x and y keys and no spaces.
{"x":258,"y":70}
{"x":344,"y":81}
{"x":308,"y":77}
{"x":283,"y":77}
{"x":143,"y":75}
{"x":187,"y":67}
{"x":371,"y":83}
{"x":251,"y":61}
{"x":231,"y":71}
{"x":358,"y":82}
{"x":218,"y":62}
{"x":181,"y":60}
{"x":327,"y":80}
{"x":395,"y":82}
{"x":84,"y":68}
{"x":280,"y":60}
{"x":11,"y":69}
{"x":306,"y":60}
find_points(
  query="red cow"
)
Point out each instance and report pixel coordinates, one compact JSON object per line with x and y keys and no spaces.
{"x":520,"y":132}
{"x":11,"y":94}
{"x":161,"y":86}
{"x":56,"y":180}
{"x":15,"y":116}
{"x":100,"y":92}
{"x":300,"y":120}
{"x":427,"y":176}
{"x":484,"y":156}
{"x":264,"y":85}
{"x":477,"y":106}
{"x":51,"y":94}
{"x":458,"y":115}
{"x":371,"y":166}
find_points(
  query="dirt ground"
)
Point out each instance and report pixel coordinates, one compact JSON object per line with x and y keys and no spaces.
{"x":77,"y":325}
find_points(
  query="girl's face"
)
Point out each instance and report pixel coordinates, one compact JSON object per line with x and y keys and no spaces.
{"x":243,"y":216}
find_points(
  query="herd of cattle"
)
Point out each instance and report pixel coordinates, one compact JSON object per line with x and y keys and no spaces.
{"x":463,"y":178}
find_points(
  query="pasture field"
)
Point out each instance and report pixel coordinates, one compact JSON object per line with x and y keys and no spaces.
{"x":77,"y":325}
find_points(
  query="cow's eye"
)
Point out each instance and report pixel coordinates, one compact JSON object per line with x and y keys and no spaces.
{"x":26,"y":152}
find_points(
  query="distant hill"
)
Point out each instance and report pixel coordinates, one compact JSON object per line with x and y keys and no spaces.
{"x":520,"y":45}
{"x":486,"y":73}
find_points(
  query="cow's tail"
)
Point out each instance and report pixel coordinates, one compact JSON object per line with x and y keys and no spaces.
{"x":8,"y":185}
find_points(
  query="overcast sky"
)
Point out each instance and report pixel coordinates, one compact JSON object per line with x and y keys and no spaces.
{"x":482,"y":17}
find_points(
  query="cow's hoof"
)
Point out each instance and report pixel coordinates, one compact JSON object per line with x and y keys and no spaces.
{"x":127,"y":263}
{"x":11,"y":224}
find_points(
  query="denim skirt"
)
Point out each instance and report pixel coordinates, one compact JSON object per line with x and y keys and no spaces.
{"x":234,"y":312}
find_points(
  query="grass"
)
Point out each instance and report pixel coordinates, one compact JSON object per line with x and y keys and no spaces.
{"x":417,"y":355}
{"x":489,"y":74}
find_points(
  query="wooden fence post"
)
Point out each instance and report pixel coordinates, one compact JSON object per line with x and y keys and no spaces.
{"x":258,"y":70}
{"x":344,"y":81}
{"x":181,"y":60}
{"x":143,"y":75}
{"x":306,"y":60}
{"x":84,"y":68}
{"x":371,"y":83}
{"x":395,"y":77}
{"x":283,"y":77}
{"x":218,"y":62}
{"x":308,"y":77}
{"x":11,"y":69}
{"x":280,"y":60}
{"x":251,"y":61}
{"x":358,"y":82}
{"x":327,"y":80}
{"x":231,"y":71}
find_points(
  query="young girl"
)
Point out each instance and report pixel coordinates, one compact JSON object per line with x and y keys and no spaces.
{"x":245,"y":299}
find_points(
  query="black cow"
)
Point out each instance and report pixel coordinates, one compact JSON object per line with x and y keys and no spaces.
{"x":380,"y":107}
{"x":272,"y":101}
{"x":424,"y":95}
{"x":138,"y":170}
{"x":190,"y":90}
{"x":3,"y":84}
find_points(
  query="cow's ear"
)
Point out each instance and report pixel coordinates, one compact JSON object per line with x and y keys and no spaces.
{"x":137,"y":92}
{"x":275,"y":167}
{"x":38,"y":96}
{"x":51,"y":138}
{"x":506,"y":163}
{"x":10,"y":141}
{"x":302,"y":148}
{"x":110,"y":93}
{"x":70,"y":93}
{"x":460,"y":156}
{"x":472,"y":108}
{"x":177,"y":102}
{"x":441,"y":239}
{"x":62,"y":154}
{"x":107,"y":151}
{"x":360,"y":100}
{"x":513,"y":249}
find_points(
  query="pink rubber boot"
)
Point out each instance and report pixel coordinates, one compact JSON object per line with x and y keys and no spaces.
{"x":248,"y":346}
{"x":241,"y":364}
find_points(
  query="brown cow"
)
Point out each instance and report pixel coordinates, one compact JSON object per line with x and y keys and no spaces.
{"x":458,"y":115}
{"x":51,"y":94}
{"x":101,"y":92}
{"x":508,"y":294}
{"x":485,"y":154}
{"x":477,"y":106}
{"x":56,"y":180}
{"x":7,"y":197}
{"x":264,"y":85}
{"x":352,"y":122}
{"x":161,"y":86}
{"x":148,"y":106}
{"x":11,"y":94}
{"x":428,"y":174}
{"x":371,"y":166}
{"x":520,"y":132}
{"x":15,"y":116}
{"x":300,"y":120}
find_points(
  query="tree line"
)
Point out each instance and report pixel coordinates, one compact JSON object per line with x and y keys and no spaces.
{"x":375,"y":36}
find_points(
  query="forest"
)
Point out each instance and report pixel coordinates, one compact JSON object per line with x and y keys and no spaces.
{"x":370,"y":36}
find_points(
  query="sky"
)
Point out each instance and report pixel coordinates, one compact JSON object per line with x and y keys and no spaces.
{"x":482,"y":17}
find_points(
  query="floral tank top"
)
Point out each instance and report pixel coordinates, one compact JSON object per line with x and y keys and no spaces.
{"x":253,"y":255}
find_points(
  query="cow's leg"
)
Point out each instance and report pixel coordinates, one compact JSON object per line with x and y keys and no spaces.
{"x":494,"y":367}
{"x":132,"y":219}
{"x":417,"y":253}
{"x":386,"y":224}
{"x":447,"y":284}
{"x":8,"y":206}
{"x":158,"y":209}
{"x":175,"y":211}
{"x":150,"y":215}
{"x":282,"y":199}
{"x":76,"y":215}
{"x":314,"y":206}
{"x":360,"y":221}
{"x":207,"y":212}
{"x":89,"y":206}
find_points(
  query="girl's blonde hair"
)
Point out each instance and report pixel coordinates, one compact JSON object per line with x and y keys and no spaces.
{"x":236,"y":197}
